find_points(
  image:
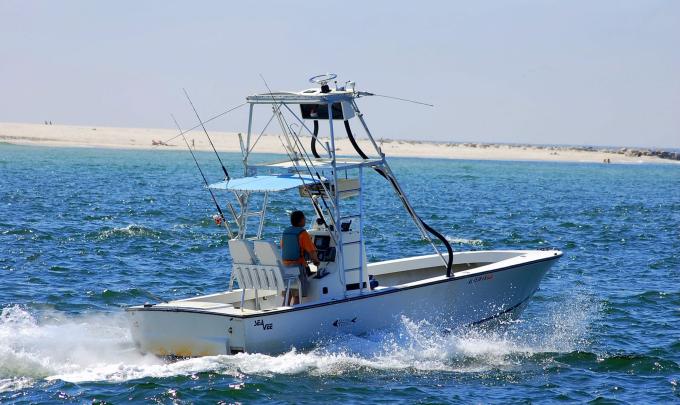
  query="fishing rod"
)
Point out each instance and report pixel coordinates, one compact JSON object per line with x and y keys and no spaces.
{"x":226,"y":173}
{"x":260,"y":136}
{"x":295,"y":137}
{"x":214,"y":117}
{"x":315,"y":203}
{"x":317,"y":209}
{"x":217,"y":205}
{"x":303,"y":154}
{"x":305,"y":159}
{"x":277,"y":111}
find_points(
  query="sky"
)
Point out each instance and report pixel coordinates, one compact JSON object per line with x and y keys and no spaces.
{"x":580,"y":72}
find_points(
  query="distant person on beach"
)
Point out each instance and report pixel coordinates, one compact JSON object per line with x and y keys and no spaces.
{"x":295,"y":244}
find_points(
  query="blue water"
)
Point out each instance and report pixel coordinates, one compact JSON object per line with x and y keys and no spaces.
{"x":86,"y":232}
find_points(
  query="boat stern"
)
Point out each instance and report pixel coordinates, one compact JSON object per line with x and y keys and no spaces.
{"x":168,"y":331}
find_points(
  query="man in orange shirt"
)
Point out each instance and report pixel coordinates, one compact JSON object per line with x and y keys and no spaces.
{"x":295,"y":243}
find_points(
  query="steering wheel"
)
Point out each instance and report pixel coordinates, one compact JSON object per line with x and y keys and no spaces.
{"x":323,"y":79}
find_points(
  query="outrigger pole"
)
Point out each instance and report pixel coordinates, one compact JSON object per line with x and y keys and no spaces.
{"x":366,"y":93}
{"x":214,"y":117}
{"x":386,"y":172}
{"x":217,"y":205}
{"x":226,"y":173}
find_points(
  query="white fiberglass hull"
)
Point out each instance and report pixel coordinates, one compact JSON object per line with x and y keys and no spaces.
{"x":474,"y":296}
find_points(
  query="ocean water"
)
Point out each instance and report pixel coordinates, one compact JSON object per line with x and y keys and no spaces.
{"x":86,"y":232}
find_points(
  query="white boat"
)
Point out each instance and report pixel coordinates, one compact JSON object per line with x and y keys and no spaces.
{"x":346,"y":294}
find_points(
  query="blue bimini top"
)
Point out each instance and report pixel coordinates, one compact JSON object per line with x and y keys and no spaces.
{"x":267,"y":183}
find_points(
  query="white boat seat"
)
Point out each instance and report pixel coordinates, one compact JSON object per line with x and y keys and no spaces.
{"x":242,"y":251}
{"x":268,"y":254}
{"x":258,"y":266}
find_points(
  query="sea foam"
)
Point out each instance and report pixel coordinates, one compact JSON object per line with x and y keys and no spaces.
{"x":98,"y":347}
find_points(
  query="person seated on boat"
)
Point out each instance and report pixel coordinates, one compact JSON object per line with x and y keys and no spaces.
{"x":295,"y":244}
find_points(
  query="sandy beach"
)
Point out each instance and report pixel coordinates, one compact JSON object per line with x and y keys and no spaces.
{"x":144,"y":138}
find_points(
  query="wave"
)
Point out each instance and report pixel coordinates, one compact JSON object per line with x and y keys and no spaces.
{"x":58,"y":344}
{"x":132,"y":230}
{"x":18,"y":231}
{"x":461,"y":241}
{"x":628,"y":363}
{"x":98,"y":347}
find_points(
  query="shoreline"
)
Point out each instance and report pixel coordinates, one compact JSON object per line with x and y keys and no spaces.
{"x":142,"y":139}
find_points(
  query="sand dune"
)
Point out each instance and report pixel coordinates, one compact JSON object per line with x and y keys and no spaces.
{"x":143,"y":138}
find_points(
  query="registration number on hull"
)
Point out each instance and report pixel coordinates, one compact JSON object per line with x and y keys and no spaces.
{"x":483,"y":277}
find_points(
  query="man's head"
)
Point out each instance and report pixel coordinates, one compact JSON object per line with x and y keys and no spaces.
{"x":297,"y":218}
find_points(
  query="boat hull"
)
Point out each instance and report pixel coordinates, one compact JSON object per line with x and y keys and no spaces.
{"x":474,"y":298}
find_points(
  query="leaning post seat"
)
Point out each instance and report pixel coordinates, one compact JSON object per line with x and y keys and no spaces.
{"x":242,"y":251}
{"x":243,"y":256}
{"x":272,"y":268}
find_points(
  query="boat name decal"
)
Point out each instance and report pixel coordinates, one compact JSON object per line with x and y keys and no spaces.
{"x":265,"y":326}
{"x":483,"y":277}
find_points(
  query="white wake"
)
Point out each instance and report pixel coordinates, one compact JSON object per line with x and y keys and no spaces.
{"x":98,"y":347}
